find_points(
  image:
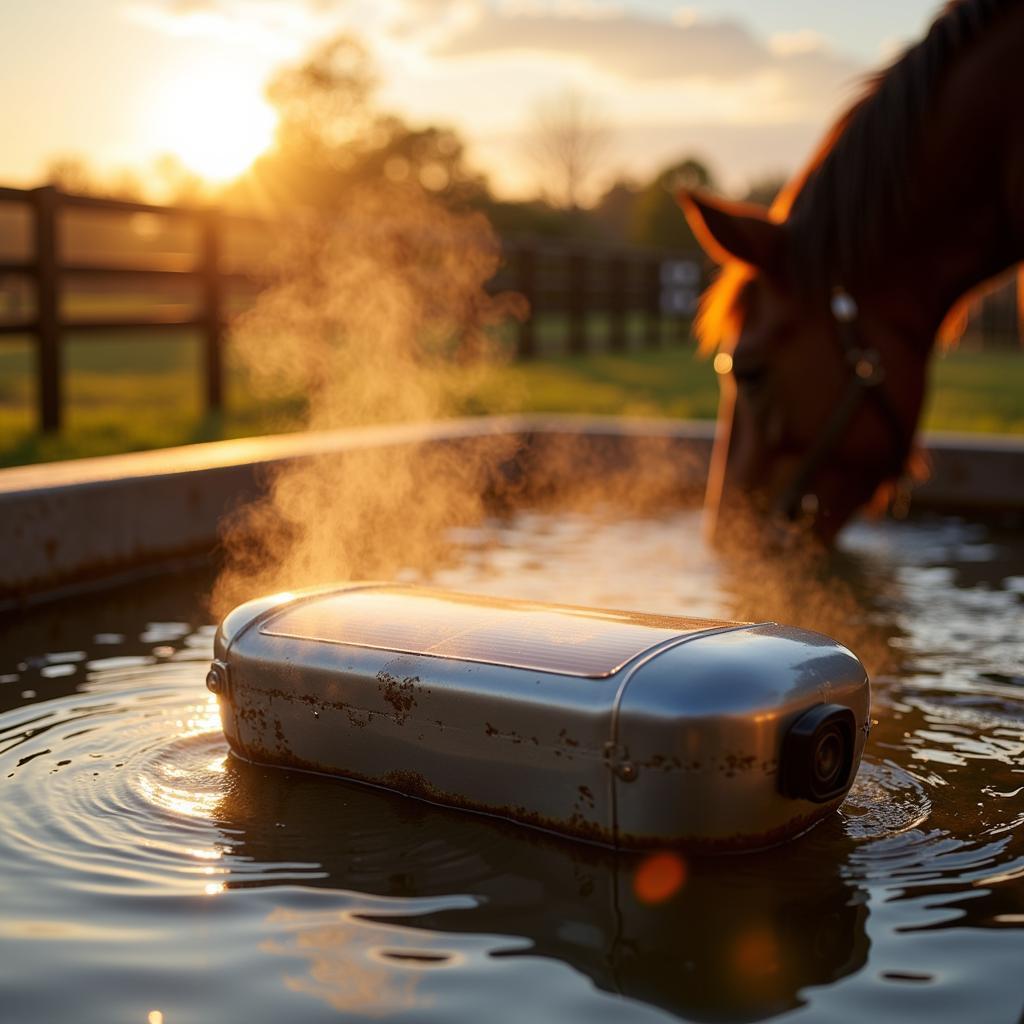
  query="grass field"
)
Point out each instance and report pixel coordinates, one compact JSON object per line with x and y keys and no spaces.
{"x":145,"y":392}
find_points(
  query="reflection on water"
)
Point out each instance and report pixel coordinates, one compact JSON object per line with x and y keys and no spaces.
{"x":152,"y":874}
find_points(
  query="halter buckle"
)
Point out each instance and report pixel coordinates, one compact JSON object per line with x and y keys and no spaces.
{"x":844,"y":306}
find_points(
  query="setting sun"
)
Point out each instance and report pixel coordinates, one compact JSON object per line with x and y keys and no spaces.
{"x":216,"y":125}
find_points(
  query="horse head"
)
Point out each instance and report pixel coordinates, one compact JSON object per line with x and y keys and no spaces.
{"x":827,"y":306}
{"x":820,"y":393}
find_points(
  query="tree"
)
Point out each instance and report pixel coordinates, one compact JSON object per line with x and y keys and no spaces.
{"x":613,"y":213}
{"x":72,"y":173}
{"x":325,"y":102}
{"x":532,"y":218}
{"x":332,"y":138}
{"x":657,"y":220}
{"x":433,"y":158}
{"x":566,"y":143}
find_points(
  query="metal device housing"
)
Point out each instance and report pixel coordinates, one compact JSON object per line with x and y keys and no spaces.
{"x":617,"y":727}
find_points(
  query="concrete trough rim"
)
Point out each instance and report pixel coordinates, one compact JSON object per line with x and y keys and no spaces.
{"x":43,"y":506}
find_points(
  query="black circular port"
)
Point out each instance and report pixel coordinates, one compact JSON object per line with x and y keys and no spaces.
{"x":817,"y":754}
{"x":828,"y":758}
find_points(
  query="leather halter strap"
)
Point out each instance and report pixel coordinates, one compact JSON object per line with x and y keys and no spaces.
{"x":866,"y":377}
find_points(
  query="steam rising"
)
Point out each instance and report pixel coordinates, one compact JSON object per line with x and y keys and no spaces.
{"x":369,"y":316}
{"x":828,"y":592}
{"x":381,"y":316}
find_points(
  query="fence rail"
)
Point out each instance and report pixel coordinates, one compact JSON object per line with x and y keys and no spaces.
{"x":572,"y":282}
{"x":47,"y":270}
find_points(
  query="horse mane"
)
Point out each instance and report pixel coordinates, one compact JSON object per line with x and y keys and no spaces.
{"x":857,"y":189}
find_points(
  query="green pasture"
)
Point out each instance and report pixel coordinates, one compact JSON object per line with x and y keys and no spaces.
{"x":144,"y":391}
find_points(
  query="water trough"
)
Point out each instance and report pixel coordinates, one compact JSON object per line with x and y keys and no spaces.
{"x":91,"y":522}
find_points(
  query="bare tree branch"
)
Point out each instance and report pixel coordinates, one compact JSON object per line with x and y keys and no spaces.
{"x":568,"y":139}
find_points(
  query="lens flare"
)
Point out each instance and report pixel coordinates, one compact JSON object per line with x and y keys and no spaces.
{"x":757,"y":953}
{"x":659,"y":877}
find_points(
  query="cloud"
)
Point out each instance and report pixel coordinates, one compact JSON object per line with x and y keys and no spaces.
{"x":669,"y":84}
{"x":803,"y":41}
{"x":647,"y":49}
{"x":797,"y":68}
{"x":270,"y":28}
{"x":271,"y":25}
{"x":631,"y":46}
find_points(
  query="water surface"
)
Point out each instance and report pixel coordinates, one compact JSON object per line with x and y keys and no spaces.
{"x":143,"y":871}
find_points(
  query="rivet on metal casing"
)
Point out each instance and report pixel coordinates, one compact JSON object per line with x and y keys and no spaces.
{"x":217,"y":678}
{"x":626,"y":771}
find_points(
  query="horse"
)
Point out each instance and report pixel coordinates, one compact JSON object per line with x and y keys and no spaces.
{"x":828,"y":305}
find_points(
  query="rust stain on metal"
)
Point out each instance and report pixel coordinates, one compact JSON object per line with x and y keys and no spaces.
{"x":577,"y":825}
{"x":357,"y":717}
{"x":736,"y":843}
{"x":399,"y":693}
{"x":291,"y":695}
{"x":511,"y":736}
{"x":399,"y":696}
{"x":660,"y":762}
{"x":733,"y":764}
{"x":415,"y":784}
{"x":253,"y":715}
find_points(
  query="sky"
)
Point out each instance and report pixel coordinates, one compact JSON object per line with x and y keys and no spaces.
{"x":746,"y":85}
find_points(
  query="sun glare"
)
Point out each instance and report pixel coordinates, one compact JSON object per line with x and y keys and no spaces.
{"x":214,"y":124}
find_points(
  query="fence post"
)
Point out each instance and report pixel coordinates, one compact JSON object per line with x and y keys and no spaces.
{"x":618,"y":268}
{"x":652,"y":301}
{"x":213,"y":319}
{"x":577,"y":302}
{"x":526,"y":268}
{"x":47,"y":325}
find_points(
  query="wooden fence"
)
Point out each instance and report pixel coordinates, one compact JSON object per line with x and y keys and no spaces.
{"x":47,"y":268}
{"x":621,"y":294}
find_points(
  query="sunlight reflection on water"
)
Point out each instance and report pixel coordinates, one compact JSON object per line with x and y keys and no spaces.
{"x":133,"y":848}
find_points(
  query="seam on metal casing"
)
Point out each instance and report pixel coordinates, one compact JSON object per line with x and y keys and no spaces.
{"x":644,"y":659}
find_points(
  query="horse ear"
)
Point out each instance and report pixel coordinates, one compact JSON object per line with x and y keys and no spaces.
{"x":730,"y":230}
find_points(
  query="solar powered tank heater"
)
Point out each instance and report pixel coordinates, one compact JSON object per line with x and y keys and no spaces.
{"x":618,"y":727}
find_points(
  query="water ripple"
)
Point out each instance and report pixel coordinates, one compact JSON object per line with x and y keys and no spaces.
{"x":135,"y":849}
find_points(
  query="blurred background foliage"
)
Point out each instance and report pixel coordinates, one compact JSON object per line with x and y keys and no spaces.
{"x":332,"y":136}
{"x":333,"y":139}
